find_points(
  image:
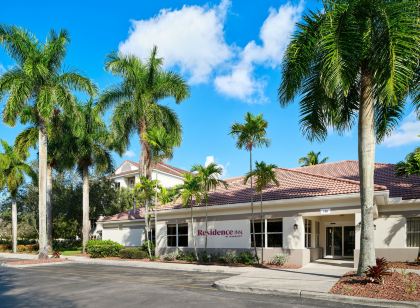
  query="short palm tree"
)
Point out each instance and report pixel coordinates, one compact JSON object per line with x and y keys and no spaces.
{"x":36,"y":86}
{"x":312,"y":158}
{"x":355,"y":58}
{"x":190,"y":192}
{"x":90,"y":148}
{"x":209,"y":177}
{"x":265,"y":175}
{"x":250,"y":135}
{"x":145,"y":190}
{"x":13,"y":169}
{"x":137,"y":99}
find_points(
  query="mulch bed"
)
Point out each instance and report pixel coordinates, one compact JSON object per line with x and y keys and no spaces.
{"x":406,"y":265}
{"x":35,"y":261}
{"x":398,"y":286}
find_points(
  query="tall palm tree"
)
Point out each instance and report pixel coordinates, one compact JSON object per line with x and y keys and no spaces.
{"x":13,"y":169}
{"x":312,"y":158}
{"x":37,"y":83}
{"x":90,"y":149}
{"x":249,"y":135}
{"x":137,"y":98}
{"x":190,"y":192}
{"x":58,"y":158}
{"x":209,"y":177}
{"x":265,"y":175}
{"x":355,"y":58}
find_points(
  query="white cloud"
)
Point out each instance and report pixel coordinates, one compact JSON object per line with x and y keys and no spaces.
{"x":211,"y":159}
{"x":407,"y":133}
{"x":129,"y":154}
{"x":275,"y":34}
{"x":190,"y":38}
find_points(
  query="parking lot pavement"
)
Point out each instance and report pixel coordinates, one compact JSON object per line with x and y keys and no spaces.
{"x":83,"y":285}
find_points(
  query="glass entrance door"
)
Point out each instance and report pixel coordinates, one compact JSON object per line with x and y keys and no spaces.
{"x":340,"y":241}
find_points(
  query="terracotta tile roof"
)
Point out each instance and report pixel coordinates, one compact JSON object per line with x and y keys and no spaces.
{"x":404,"y":187}
{"x":159,"y":166}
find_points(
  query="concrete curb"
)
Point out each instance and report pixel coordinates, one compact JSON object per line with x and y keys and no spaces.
{"x":161,"y":265}
{"x":33,"y":265}
{"x":220,"y":285}
{"x":23,"y":256}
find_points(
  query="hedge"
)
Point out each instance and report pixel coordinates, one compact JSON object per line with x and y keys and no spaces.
{"x":103,"y":248}
{"x":133,"y":253}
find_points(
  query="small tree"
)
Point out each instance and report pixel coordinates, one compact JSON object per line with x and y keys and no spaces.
{"x":13,"y":169}
{"x":411,"y":165}
{"x":264,"y":176}
{"x":209,"y":177}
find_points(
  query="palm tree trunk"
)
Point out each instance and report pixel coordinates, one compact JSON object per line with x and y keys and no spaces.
{"x":192,"y":232}
{"x":366,"y":152}
{"x":14,"y":226}
{"x":146,"y":221}
{"x":252,"y":207}
{"x":145,"y":157}
{"x":49,"y":207}
{"x":86,"y":221}
{"x":262,"y":233}
{"x":205,"y":240}
{"x":42,"y":197}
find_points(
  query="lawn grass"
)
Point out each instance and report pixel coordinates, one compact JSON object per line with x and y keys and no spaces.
{"x":71,"y":252}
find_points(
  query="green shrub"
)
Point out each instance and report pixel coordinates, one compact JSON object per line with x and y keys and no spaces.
{"x":103,"y":248}
{"x":247,"y":258}
{"x":229,"y":258}
{"x":170,"y":256}
{"x":62,"y":245}
{"x":186,"y":256}
{"x":152,"y":247}
{"x":133,"y":253}
{"x":278,"y":260}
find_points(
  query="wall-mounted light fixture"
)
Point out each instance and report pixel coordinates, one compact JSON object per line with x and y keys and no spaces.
{"x":295,"y":226}
{"x":374,"y":227}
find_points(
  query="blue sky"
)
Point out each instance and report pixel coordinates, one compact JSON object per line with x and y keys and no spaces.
{"x":230,"y":53}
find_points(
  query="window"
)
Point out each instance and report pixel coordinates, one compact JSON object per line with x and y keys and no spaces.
{"x":117,"y":185}
{"x":259,"y":233}
{"x":131,"y":181}
{"x":308,"y":233}
{"x":177,"y":235}
{"x":317,"y":233}
{"x":413,"y":232}
{"x":269,"y":233}
{"x":152,"y":235}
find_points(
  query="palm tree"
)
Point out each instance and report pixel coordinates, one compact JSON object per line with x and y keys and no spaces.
{"x":312,"y":158}
{"x":137,"y":101}
{"x":90,"y":149}
{"x":13,"y":169}
{"x":354,"y":59}
{"x":59,"y":157}
{"x":411,"y":165}
{"x":249,"y":135}
{"x":209,"y":177}
{"x":265,"y":175}
{"x":37,"y":84}
{"x":145,"y":190}
{"x":190,"y":192}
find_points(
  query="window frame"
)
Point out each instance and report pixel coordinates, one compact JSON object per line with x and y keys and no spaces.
{"x":177,"y":234}
{"x":415,"y":234}
{"x":308,"y":232}
{"x":266,"y":233}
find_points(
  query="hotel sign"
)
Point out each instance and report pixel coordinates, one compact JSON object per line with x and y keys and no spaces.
{"x":223,"y":234}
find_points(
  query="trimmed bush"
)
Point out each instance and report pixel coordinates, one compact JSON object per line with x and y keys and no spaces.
{"x":5,"y":247}
{"x":186,"y":256}
{"x":169,"y":256}
{"x":144,"y":247}
{"x":61,"y":245}
{"x":103,"y":248}
{"x":278,"y":260}
{"x":229,"y":258}
{"x":247,"y":258}
{"x":28,"y":248}
{"x":133,"y":253}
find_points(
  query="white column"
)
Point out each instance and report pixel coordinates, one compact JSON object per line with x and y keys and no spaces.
{"x":357,"y":220}
{"x":293,"y":238}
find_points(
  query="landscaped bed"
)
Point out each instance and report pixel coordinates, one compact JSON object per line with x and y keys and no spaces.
{"x":399,"y":285}
{"x":406,"y":265}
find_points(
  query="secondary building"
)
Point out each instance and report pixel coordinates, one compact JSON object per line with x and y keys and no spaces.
{"x":314,"y":213}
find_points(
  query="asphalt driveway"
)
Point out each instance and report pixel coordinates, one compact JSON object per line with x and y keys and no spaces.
{"x":89,"y":285}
